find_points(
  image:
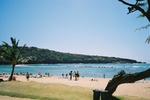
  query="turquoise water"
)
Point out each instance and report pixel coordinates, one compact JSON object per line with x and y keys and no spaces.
{"x":86,"y":70}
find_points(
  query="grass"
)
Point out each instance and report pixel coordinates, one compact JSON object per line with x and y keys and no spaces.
{"x":50,"y":91}
{"x":44,"y":91}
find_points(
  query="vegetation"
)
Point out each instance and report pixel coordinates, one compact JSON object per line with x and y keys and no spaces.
{"x":144,"y":7}
{"x":50,"y":91}
{"x":11,"y":53}
{"x":33,"y":55}
{"x":45,"y":91}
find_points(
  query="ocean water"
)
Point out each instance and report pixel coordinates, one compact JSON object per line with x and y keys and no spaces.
{"x":86,"y":70}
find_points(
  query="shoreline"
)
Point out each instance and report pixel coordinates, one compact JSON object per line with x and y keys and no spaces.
{"x":86,"y":70}
{"x":139,"y":89}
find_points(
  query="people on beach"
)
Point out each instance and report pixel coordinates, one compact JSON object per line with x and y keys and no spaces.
{"x":39,"y":75}
{"x":62,"y":75}
{"x":74,"y":74}
{"x":78,"y":75}
{"x":27,"y":76}
{"x":103,"y":75}
{"x":46,"y":74}
{"x":66,"y":75}
{"x":14,"y":78}
{"x":70,"y":75}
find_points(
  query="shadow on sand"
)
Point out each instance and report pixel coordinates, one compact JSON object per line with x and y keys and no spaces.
{"x":114,"y":98}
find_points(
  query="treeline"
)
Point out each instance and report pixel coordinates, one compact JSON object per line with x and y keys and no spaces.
{"x":34,"y":55}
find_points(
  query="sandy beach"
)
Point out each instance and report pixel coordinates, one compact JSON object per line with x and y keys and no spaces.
{"x":139,"y":89}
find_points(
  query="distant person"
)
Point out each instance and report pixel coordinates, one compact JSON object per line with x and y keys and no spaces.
{"x":48,"y":74}
{"x":103,"y":75}
{"x":63,"y":75}
{"x":74,"y":73}
{"x":27,"y":76}
{"x":70,"y":75}
{"x":14,"y":78}
{"x":66,"y":75}
{"x":78,"y":75}
{"x":39,"y":75}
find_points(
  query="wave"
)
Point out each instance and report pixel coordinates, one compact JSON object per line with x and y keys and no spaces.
{"x":135,"y":66}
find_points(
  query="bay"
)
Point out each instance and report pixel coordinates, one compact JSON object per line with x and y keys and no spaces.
{"x":86,"y":70}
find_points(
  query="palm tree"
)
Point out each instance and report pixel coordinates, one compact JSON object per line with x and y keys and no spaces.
{"x":11,"y":53}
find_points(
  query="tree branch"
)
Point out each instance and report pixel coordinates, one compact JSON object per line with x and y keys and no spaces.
{"x":148,"y":3}
{"x":147,"y":14}
{"x":122,"y":77}
{"x":148,"y":11}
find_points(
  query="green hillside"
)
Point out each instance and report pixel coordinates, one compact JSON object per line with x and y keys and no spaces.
{"x":34,"y":55}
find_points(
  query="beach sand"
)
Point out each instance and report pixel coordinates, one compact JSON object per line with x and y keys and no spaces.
{"x":12,"y":98}
{"x":139,"y":89}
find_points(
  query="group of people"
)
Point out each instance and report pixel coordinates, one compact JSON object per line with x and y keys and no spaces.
{"x":28,"y":75}
{"x":72,"y":74}
{"x":76,"y":75}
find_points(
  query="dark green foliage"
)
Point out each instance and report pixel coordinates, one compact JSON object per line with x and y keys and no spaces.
{"x":11,"y":54}
{"x":33,"y":55}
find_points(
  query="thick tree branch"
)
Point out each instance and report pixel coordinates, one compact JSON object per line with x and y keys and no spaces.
{"x":148,"y":11}
{"x":147,"y":14}
{"x":134,"y":6}
{"x":148,"y":3}
{"x":122,"y":77}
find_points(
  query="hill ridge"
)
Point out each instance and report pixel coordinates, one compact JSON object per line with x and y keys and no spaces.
{"x":34,"y":55}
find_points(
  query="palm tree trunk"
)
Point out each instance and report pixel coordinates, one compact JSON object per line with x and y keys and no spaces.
{"x":12,"y":72}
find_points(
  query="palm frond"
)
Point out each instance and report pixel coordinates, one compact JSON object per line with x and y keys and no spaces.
{"x":5,"y":44}
{"x":11,"y":53}
{"x":20,"y":51}
{"x":143,"y":27}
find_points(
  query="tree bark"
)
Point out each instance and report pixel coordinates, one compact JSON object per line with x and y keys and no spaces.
{"x":122,"y":77}
{"x":148,"y":11}
{"x":12,"y":72}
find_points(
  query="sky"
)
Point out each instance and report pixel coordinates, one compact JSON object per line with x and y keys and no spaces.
{"x":90,"y":27}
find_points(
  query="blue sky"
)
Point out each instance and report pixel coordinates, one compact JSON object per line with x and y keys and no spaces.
{"x":93,"y":27}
